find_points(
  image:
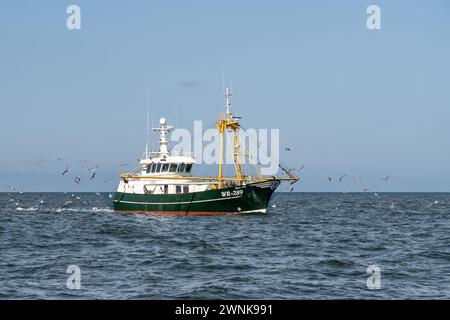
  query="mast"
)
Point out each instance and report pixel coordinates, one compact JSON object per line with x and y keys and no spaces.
{"x":163,"y":130}
{"x":228,"y":96}
{"x":229,"y":122}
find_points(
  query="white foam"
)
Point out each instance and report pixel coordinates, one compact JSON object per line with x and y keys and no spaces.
{"x":26,"y":209}
{"x":59,"y":210}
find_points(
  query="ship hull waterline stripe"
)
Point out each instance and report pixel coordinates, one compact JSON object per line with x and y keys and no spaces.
{"x":183,"y":202}
{"x":200,"y":213}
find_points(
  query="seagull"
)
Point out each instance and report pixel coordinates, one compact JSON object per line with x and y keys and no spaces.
{"x":291,"y":189}
{"x":11,"y":188}
{"x":385,"y":178}
{"x":287,"y":149}
{"x":65,"y":171}
{"x":366,"y":189}
{"x":301,"y":168}
{"x":329,"y":179}
{"x":77,"y":179}
{"x":106,"y":180}
{"x":93,"y":176}
{"x":342,"y":177}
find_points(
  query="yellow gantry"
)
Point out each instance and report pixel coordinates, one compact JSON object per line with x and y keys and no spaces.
{"x":223,"y":125}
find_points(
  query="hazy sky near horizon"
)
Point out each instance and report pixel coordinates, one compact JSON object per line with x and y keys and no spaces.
{"x":347,"y":100}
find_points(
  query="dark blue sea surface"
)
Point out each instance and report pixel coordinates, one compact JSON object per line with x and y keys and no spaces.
{"x":308,"y":246}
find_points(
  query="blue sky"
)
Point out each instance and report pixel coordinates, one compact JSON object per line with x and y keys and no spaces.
{"x":346,"y":100}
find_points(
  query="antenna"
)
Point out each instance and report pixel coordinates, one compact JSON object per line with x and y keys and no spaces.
{"x":148,"y":112}
{"x":153,"y":145}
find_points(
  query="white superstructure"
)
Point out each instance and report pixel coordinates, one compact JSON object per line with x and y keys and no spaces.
{"x":164,"y":164}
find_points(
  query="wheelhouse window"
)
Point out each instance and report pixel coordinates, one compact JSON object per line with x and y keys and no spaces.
{"x":173,"y":167}
{"x":149,"y":167}
{"x":177,"y":189}
{"x":165,"y":167}
{"x":158,"y":168}
{"x":154,"y":167}
{"x":181,"y":167}
{"x":185,"y":189}
{"x":189,"y":167}
{"x":166,"y":189}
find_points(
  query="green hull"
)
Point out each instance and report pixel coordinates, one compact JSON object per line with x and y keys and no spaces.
{"x":253,"y":197}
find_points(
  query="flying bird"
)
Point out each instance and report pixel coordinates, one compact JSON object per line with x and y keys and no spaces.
{"x":385,"y":178}
{"x":106,"y":180}
{"x":301,"y":167}
{"x":93,"y":171}
{"x":287,"y":149}
{"x":329,"y":179}
{"x":65,"y":170}
{"x":342,"y":177}
{"x":77,"y":179}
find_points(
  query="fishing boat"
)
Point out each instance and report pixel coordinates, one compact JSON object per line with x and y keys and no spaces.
{"x":164,"y":184}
